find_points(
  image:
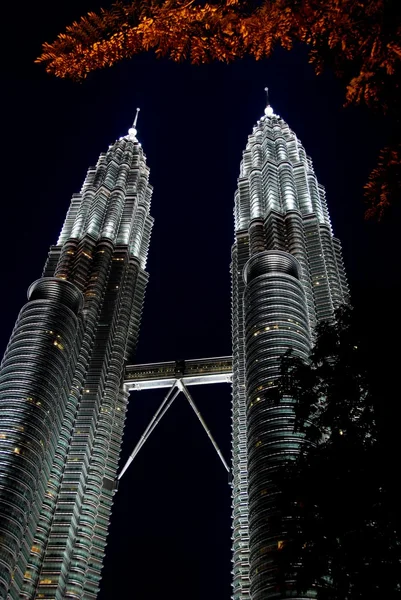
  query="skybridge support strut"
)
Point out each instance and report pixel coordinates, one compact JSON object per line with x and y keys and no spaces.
{"x":188,"y":396}
{"x":157,"y":417}
{"x":178,"y":386}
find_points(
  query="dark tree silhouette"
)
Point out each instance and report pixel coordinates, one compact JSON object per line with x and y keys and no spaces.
{"x":339,"y":500}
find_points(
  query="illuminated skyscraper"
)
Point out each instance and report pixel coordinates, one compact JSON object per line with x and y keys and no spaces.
{"x":62,"y":400}
{"x":287,"y":275}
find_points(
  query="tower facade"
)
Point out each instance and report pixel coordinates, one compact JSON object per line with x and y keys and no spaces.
{"x":62,"y":400}
{"x":287,"y":275}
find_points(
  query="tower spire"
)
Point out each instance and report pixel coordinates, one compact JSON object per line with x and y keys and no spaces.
{"x":268,"y":110}
{"x":136,"y":117}
{"x":132,"y":131}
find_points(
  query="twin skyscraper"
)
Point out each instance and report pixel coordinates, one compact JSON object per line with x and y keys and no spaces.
{"x":63,"y":399}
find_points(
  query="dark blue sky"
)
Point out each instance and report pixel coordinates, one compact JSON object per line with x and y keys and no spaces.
{"x":170,"y":534}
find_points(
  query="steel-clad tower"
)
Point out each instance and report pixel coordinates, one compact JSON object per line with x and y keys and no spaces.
{"x":287,"y":275}
{"x":62,"y":399}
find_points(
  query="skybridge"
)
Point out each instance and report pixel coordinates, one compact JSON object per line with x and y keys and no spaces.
{"x":177,"y":376}
{"x":190,"y":372}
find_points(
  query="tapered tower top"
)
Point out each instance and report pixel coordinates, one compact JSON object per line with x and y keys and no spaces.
{"x":276,"y":175}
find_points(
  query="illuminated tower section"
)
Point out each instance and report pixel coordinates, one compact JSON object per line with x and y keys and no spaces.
{"x":287,"y":275}
{"x":62,"y":399}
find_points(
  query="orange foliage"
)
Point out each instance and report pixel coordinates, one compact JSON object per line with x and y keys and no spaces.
{"x":360,"y":39}
{"x":384,"y":182}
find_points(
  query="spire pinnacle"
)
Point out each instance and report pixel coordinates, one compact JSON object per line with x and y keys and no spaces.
{"x":268,"y":110}
{"x":136,"y":117}
{"x":132,"y":131}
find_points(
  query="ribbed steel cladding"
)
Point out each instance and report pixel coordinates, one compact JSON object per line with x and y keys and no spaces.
{"x":80,"y":563}
{"x":240,"y":569}
{"x":106,"y":445}
{"x":297,"y":247}
{"x":276,"y":320}
{"x":37,"y":364}
{"x":64,"y":557}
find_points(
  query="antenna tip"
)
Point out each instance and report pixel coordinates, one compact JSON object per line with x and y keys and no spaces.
{"x":135,"y":120}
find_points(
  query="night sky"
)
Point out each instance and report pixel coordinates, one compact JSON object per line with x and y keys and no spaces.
{"x":170,"y":532}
